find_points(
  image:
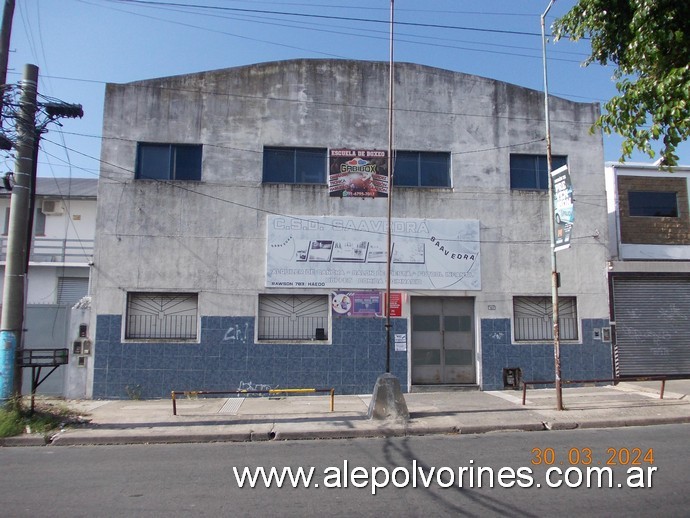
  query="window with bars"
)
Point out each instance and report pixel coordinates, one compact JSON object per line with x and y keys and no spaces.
{"x":293,"y":317}
{"x":533,"y":318}
{"x":162,"y":316}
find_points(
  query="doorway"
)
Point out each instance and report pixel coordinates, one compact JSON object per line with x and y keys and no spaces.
{"x":443,"y":341}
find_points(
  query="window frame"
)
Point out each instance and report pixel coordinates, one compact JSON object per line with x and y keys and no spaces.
{"x":39,"y":223}
{"x":539,"y":171}
{"x":541,"y":310}
{"x":67,"y":285}
{"x":308,"y":313}
{"x":646,"y":195}
{"x":296,"y":152}
{"x":421,"y":165}
{"x":168,"y":304}
{"x":173,"y":162}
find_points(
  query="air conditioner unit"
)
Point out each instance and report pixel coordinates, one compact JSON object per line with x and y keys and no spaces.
{"x":52,"y":207}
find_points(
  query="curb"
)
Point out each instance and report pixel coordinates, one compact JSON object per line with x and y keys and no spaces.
{"x":640,"y":421}
{"x":482,"y":429}
{"x":25,"y":440}
{"x":151,"y":438}
{"x":85,"y":437}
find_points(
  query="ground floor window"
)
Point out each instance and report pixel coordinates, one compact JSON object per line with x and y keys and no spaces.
{"x":293,"y":317}
{"x":162,"y":316}
{"x":533,"y":318}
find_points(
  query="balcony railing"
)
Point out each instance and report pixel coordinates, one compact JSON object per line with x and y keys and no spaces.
{"x":50,"y":250}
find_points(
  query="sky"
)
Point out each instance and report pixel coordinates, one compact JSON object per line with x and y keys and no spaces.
{"x":80,"y":45}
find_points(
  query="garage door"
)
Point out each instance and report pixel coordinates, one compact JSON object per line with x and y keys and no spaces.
{"x":652,"y":316}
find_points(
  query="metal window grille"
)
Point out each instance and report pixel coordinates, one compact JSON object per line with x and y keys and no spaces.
{"x":533,"y":318}
{"x":162,"y":316}
{"x":293,"y":317}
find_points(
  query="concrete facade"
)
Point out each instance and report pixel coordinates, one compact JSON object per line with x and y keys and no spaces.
{"x":209,"y":237}
{"x":59,"y":270}
{"x":649,"y":268}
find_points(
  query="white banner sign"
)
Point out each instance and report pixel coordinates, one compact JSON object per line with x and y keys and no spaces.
{"x":350,"y":253}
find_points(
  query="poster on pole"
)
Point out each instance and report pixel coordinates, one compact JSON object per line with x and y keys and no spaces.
{"x":358,"y":173}
{"x":564,"y":213}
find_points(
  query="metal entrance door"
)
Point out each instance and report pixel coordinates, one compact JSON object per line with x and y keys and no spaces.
{"x":443,"y":340}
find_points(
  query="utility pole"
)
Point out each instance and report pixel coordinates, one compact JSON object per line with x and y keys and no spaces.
{"x":552,"y":229}
{"x":11,"y":325}
{"x":389,"y":239}
{"x":5,"y":33}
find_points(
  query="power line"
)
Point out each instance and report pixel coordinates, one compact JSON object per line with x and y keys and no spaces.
{"x":323,"y":16}
{"x":356,"y":29}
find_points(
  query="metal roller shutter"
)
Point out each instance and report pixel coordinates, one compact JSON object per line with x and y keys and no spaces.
{"x":652,"y":316}
{"x":72,"y":289}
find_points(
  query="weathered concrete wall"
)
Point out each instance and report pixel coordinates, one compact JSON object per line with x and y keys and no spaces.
{"x":210,"y":236}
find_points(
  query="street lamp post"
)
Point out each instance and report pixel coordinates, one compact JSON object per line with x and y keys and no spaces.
{"x":552,"y":229}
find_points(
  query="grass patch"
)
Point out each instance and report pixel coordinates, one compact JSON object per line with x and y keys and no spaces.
{"x":18,"y":419}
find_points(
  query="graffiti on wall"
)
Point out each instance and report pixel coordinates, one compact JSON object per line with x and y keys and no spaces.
{"x":249,"y":386}
{"x":237,"y":333}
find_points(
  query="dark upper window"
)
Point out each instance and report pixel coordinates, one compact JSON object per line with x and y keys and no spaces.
{"x":421,"y":169}
{"x":294,"y":165}
{"x":168,"y":162}
{"x":529,"y":172}
{"x":653,"y":203}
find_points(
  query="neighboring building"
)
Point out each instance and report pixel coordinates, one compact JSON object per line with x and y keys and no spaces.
{"x":225,"y":260}
{"x":649,"y":271}
{"x":64,"y":224}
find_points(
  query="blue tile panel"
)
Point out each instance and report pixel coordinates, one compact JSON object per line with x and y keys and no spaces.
{"x":227,"y":358}
{"x":590,"y":359}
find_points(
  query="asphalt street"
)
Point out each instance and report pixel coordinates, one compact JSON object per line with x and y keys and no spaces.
{"x":204,"y":479}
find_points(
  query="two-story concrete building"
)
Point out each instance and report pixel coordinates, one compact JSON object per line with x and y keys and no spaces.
{"x":649,"y":270}
{"x":64,"y":223}
{"x":242,"y":232}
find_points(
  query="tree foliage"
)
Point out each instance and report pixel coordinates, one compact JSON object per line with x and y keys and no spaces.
{"x":649,"y":43}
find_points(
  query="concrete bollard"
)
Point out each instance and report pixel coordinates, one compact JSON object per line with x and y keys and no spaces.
{"x":387,"y":401}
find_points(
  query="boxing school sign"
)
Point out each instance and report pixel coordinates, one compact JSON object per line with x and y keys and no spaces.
{"x":358,"y":173}
{"x":350,"y":253}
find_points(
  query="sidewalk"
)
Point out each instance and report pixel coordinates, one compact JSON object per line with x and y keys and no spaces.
{"x":308,"y":417}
